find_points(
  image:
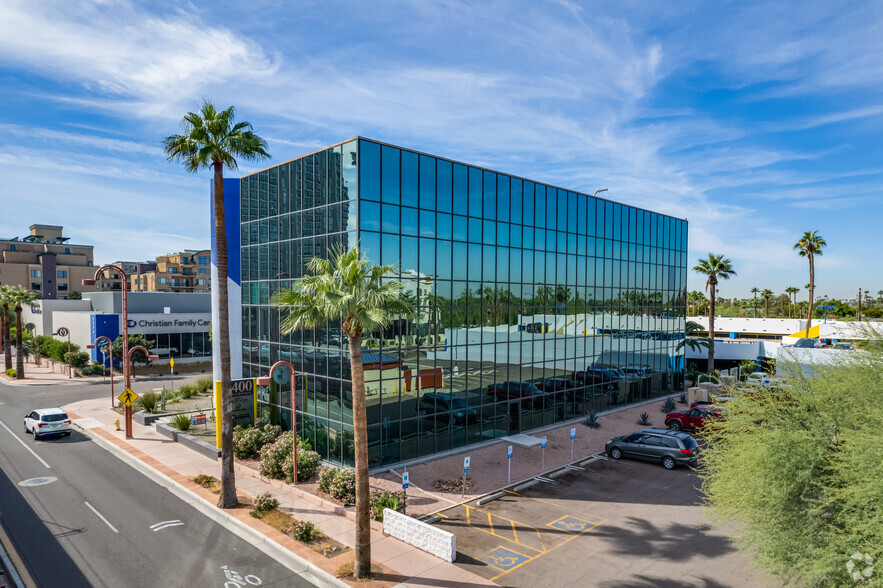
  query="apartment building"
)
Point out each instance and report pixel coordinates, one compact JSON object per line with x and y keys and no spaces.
{"x":185,"y":271}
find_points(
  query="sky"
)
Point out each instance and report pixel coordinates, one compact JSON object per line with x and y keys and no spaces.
{"x":756,"y":121}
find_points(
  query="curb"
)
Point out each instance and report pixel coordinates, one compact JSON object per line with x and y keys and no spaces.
{"x":292,"y":561}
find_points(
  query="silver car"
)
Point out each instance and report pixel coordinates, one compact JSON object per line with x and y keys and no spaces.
{"x":47,"y":421}
{"x":670,"y":448}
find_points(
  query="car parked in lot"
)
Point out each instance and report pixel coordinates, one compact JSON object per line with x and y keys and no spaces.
{"x":47,"y":421}
{"x":528,"y":392}
{"x":447,"y":406}
{"x":560,"y":387}
{"x":808,"y":344}
{"x":670,"y":448}
{"x":693,"y":418}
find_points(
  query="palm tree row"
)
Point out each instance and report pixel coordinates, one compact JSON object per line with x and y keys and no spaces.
{"x":16,"y":299}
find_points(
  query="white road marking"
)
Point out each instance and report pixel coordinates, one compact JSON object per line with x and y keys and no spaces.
{"x":23,"y":444}
{"x":100,"y":516}
{"x":165,"y":525}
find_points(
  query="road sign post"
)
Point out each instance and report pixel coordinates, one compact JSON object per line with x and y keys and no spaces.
{"x":543,"y":458}
{"x":572,"y":437}
{"x":406,"y":480}
{"x":509,"y":461}
{"x":466,"y":461}
{"x":128,"y":397}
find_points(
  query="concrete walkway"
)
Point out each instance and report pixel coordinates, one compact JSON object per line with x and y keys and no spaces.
{"x":402,"y":564}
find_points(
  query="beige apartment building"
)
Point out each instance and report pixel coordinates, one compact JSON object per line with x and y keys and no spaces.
{"x":186,"y":271}
{"x":44,"y":261}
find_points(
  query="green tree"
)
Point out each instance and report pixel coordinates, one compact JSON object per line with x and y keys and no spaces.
{"x":75,"y":295}
{"x":755,"y":291}
{"x":799,"y":471}
{"x":6,"y":303}
{"x":692,"y":340}
{"x":715,"y":267}
{"x":767,"y":295}
{"x":810,"y":245}
{"x":21,"y":298}
{"x":347,"y":286}
{"x":213,"y":139}
{"x":134,"y":340}
{"x":792,"y":297}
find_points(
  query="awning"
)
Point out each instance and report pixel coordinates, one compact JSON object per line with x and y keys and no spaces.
{"x":814,"y":333}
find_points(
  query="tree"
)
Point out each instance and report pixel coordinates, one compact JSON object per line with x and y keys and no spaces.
{"x":755,"y":291}
{"x":212,"y":139}
{"x":134,"y":340}
{"x":716,"y":267}
{"x":20,"y":298}
{"x":75,"y":295}
{"x":810,"y":245}
{"x":347,"y":286}
{"x":792,"y":294}
{"x":692,"y":338}
{"x":798,"y":472}
{"x":767,"y":294}
{"x":6,"y":302}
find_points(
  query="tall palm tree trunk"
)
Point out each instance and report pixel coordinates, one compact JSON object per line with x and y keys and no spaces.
{"x":227,"y":498}
{"x":812,"y":285}
{"x":19,"y":347}
{"x":7,"y":349}
{"x":360,"y":426}
{"x":711,"y":304}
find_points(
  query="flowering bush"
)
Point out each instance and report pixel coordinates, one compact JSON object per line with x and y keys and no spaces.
{"x":276,"y":459}
{"x":326,"y":478}
{"x":304,"y":531}
{"x":263,"y":503}
{"x":248,"y":442}
{"x":343,"y":487}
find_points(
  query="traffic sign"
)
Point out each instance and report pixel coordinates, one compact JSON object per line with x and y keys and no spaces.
{"x":172,"y":362}
{"x":543,"y":443}
{"x":509,"y":456}
{"x":127,"y":397}
{"x":466,"y":461}
{"x":573,"y":434}
{"x":405,"y":481}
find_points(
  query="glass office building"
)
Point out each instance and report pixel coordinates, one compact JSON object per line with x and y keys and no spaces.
{"x":535,"y":304}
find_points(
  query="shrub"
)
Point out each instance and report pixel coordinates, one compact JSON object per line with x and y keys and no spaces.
{"x":668,"y":405}
{"x":592,"y":419}
{"x":94,"y":369}
{"x":204,"y":385}
{"x":343,"y":487}
{"x":304,"y":531}
{"x":181,"y":422}
{"x":248,"y":442}
{"x":276,"y":459}
{"x":326,"y":477}
{"x":263,"y":503}
{"x":78,"y":358}
{"x":148,"y":401}
{"x":645,"y":419}
{"x":393,"y":500}
{"x":682,"y":399}
{"x":173,"y":396}
{"x":11,"y":372}
{"x":187,"y":390}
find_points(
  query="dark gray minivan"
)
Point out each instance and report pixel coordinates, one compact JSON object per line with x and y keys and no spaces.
{"x":670,"y":448}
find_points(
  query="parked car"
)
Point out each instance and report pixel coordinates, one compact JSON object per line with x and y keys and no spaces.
{"x":670,"y":448}
{"x":808,"y":344}
{"x":718,"y":400}
{"x":527,"y":391}
{"x":47,"y":421}
{"x":844,"y":346}
{"x":597,"y":376}
{"x":536,"y":327}
{"x":693,"y":418}
{"x":447,"y":406}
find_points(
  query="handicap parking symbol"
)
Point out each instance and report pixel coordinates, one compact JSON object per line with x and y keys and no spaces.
{"x":505,"y":559}
{"x":570,"y":524}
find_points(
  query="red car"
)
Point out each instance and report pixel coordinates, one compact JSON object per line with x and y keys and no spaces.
{"x":694,"y":418}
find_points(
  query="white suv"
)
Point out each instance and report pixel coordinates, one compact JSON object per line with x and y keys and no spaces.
{"x":47,"y":421}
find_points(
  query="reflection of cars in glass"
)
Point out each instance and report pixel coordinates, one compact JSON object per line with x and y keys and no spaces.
{"x":694,"y":418}
{"x":670,"y":448}
{"x":559,"y":386}
{"x":808,"y":344}
{"x":445,"y":406}
{"x":595,"y":375}
{"x":536,"y":327}
{"x":516,"y":390}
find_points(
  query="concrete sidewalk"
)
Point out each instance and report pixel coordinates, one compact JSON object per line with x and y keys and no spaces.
{"x":402,"y":564}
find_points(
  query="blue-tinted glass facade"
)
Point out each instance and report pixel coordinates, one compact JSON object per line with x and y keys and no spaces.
{"x":535,"y":304}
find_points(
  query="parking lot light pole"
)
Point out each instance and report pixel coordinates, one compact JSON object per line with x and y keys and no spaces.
{"x":110,"y":351}
{"x":266,"y":381}
{"x":64,"y":332}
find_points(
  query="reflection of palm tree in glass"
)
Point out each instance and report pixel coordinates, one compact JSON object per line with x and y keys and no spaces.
{"x":562,"y":295}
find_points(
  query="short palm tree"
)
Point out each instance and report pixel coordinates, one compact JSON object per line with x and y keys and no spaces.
{"x":6,"y":302}
{"x":692,"y":340}
{"x":715,"y":267}
{"x":810,"y":245}
{"x":348,"y":287}
{"x":21,"y":298}
{"x":213,"y":139}
{"x":755,"y":291}
{"x":767,"y":295}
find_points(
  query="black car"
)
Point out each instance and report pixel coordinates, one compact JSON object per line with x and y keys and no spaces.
{"x":528,"y":392}
{"x":670,"y":448}
{"x":447,"y":406}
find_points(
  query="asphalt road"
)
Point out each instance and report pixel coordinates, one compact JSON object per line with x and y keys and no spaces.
{"x":78,"y":516}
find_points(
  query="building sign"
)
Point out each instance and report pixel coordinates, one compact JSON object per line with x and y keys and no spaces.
{"x":244,"y":404}
{"x":155,"y":323}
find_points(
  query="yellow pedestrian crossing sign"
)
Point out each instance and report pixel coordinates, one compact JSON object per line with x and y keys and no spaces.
{"x":128,"y":397}
{"x":172,"y":362}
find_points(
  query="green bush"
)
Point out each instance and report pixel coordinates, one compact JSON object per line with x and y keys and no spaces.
{"x":343,"y":487}
{"x":326,"y":477}
{"x":304,"y":531}
{"x":78,"y":359}
{"x":94,"y":369}
{"x":263,"y":503}
{"x":11,"y":372}
{"x":248,"y":441}
{"x":391,"y":499}
{"x":592,"y":419}
{"x":148,"y":401}
{"x":276,"y":459}
{"x":181,"y":422}
{"x":187,"y":390}
{"x":645,"y":419}
{"x":204,"y":385}
{"x":668,"y":405}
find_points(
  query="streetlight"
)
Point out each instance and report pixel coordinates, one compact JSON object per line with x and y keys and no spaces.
{"x":63,"y":332}
{"x":126,"y":370}
{"x":599,"y":191}
{"x":265,"y":381}
{"x":150,"y":357}
{"x":110,"y":347}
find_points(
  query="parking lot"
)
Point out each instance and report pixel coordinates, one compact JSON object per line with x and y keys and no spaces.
{"x":615,"y":523}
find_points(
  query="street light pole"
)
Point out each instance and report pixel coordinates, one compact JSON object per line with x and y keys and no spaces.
{"x":62,"y":332}
{"x":599,"y":191}
{"x":266,"y":382}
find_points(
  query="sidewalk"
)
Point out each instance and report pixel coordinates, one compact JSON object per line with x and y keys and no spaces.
{"x":402,"y":564}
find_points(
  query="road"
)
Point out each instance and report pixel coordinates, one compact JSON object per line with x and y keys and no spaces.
{"x":78,"y":516}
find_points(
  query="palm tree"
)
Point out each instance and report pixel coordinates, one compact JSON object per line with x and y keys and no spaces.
{"x":6,"y":300}
{"x":213,"y":139}
{"x":792,"y":293}
{"x":692,"y":338}
{"x":716,"y":267}
{"x":20,"y":298}
{"x":810,"y":245}
{"x":755,"y":291}
{"x":347,"y":286}
{"x":766,"y":295}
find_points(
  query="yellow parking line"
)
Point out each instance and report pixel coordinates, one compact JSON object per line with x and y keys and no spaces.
{"x":511,"y":522}
{"x":444,"y":516}
{"x":514,"y":532}
{"x":551,"y":503}
{"x":490,"y":523}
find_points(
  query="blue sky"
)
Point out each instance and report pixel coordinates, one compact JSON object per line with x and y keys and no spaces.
{"x":755,"y":120}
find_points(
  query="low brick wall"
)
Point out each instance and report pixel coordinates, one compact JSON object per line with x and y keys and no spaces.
{"x":430,"y":539}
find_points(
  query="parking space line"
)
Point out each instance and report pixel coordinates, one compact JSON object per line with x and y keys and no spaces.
{"x":490,"y":523}
{"x":514,"y":532}
{"x":551,"y":503}
{"x":512,"y":524}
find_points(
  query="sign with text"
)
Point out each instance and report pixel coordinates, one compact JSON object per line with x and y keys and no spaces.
{"x":198,"y":419}
{"x":509,"y":453}
{"x":543,"y":442}
{"x":406,"y":481}
{"x":243,"y":401}
{"x":466,"y":461}
{"x":572,"y":434}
